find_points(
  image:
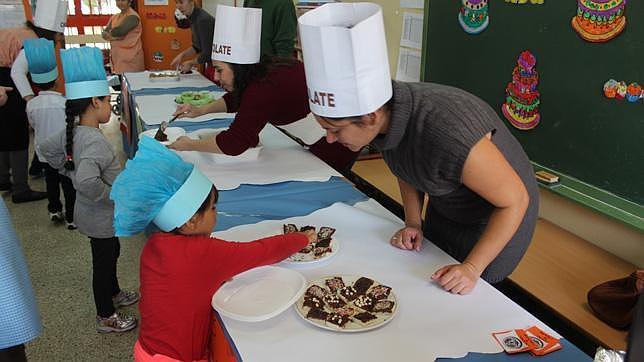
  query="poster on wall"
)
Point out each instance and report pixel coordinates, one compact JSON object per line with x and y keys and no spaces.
{"x":155,"y":2}
{"x":12,"y":14}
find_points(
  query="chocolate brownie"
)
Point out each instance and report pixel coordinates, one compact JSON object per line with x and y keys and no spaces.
{"x":323,"y":243}
{"x":379,"y":292}
{"x":334,"y":284}
{"x":337,"y":319}
{"x":316,"y":291}
{"x":362,"y":284}
{"x":306,"y":228}
{"x":320,"y":252}
{"x":364,"y":317}
{"x":364,"y":302}
{"x":290,"y":228}
{"x":349,"y":293}
{"x":334,"y":301}
{"x":325,"y":232}
{"x":315,"y":313}
{"x":313,"y":302}
{"x":383,"y":306}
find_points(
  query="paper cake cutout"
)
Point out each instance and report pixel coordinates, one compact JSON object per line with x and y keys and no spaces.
{"x":599,"y":21}
{"x":521,"y":105}
{"x":473,"y":16}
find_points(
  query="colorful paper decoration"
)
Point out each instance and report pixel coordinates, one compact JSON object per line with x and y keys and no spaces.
{"x":599,"y":21}
{"x":619,"y":90}
{"x":538,"y":2}
{"x":473,"y":16}
{"x":521,"y":105}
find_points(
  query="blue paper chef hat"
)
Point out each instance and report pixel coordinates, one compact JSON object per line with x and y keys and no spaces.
{"x":84,"y":73}
{"x":41,"y":60}
{"x":156,"y":186}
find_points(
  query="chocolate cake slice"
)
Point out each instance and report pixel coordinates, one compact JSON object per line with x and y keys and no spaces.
{"x":364,"y":302}
{"x":334,"y":284}
{"x":345,"y":311}
{"x":334,"y":301}
{"x":316,"y":291}
{"x":361,"y":285}
{"x":365,"y":317}
{"x":337,"y":319}
{"x":323,"y":243}
{"x":320,"y":252}
{"x":306,"y":228}
{"x":313,"y":302}
{"x":325,"y":232}
{"x":315,"y":313}
{"x":379,"y":292}
{"x":290,"y":228}
{"x":349,"y":293}
{"x":383,"y":306}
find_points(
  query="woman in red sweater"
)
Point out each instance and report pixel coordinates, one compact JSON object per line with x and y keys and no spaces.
{"x":272,"y":90}
{"x":182,"y":266}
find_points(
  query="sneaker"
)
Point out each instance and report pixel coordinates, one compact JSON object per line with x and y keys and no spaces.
{"x":71,"y":226}
{"x":56,"y":217}
{"x":116,"y":323}
{"x":125,"y":298}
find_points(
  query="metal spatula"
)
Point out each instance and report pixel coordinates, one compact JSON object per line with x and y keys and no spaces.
{"x":163,"y":126}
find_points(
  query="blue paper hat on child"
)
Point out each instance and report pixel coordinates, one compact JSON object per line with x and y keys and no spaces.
{"x":84,"y":73}
{"x":156,"y":186}
{"x":41,"y":60}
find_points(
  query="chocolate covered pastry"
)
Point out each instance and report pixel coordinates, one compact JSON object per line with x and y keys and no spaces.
{"x":349,"y":293}
{"x":383,"y":306}
{"x":315,"y":313}
{"x":316,"y":291}
{"x":323,"y":243}
{"x":364,"y":317}
{"x":364,"y":302}
{"x":379,"y":292}
{"x":361,"y":285}
{"x":306,"y":228}
{"x":334,"y":284}
{"x":334,"y":301}
{"x":313,"y":302}
{"x":290,"y":228}
{"x":337,"y":319}
{"x":325,"y":232}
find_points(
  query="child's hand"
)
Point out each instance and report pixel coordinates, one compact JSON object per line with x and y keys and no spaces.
{"x":311,"y":235}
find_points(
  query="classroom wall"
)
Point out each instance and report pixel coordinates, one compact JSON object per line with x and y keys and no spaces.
{"x":393,"y":18}
{"x":608,"y":234}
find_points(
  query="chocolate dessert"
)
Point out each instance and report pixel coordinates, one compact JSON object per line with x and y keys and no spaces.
{"x":315,"y":313}
{"x":323,"y":243}
{"x":325,"y":232}
{"x":364,"y":302}
{"x":334,"y":301}
{"x":364,"y":317}
{"x":383,"y":306}
{"x":334,"y":284}
{"x":313,"y":302}
{"x":361,"y":285}
{"x":379,"y":292}
{"x":349,"y":293}
{"x":337,"y":319}
{"x":290,"y":228}
{"x":316,"y":291}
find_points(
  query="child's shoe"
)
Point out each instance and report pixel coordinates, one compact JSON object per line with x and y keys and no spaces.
{"x":116,"y":323}
{"x":71,"y":225}
{"x":125,"y":298}
{"x":56,"y":217}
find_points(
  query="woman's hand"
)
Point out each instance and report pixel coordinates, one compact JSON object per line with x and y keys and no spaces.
{"x":182,"y":143}
{"x":3,"y":94}
{"x":186,"y":66}
{"x":457,"y":278}
{"x":177,"y":60}
{"x":188,"y":110}
{"x":408,"y":238}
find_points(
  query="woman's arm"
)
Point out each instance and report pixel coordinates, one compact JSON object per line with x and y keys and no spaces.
{"x":19,"y":70}
{"x":130,"y":22}
{"x":488,"y":173}
{"x":411,"y":236}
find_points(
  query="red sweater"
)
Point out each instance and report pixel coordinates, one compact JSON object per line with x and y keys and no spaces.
{"x":279,"y":99}
{"x":179,"y":275}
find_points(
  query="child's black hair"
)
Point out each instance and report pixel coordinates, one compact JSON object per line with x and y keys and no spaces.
{"x":74,"y":108}
{"x":46,"y":86}
{"x":41,"y":32}
{"x":206,"y":203}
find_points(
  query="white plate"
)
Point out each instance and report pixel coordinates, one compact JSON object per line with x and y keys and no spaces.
{"x":353,"y":325}
{"x":250,"y":154}
{"x":259,"y":294}
{"x":172,"y":132}
{"x":301,"y":259}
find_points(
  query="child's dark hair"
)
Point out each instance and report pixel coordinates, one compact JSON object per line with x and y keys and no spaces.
{"x":46,"y":86}
{"x":73,"y":108}
{"x":206,"y":203}
{"x":41,"y":32}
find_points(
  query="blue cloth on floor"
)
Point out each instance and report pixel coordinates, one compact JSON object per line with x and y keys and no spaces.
{"x":250,"y":204}
{"x":19,"y":317}
{"x":568,"y":353}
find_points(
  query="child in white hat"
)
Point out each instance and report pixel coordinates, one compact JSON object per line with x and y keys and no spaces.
{"x":260,"y":90}
{"x":182,"y":266}
{"x":437,"y":140}
{"x":46,"y":115}
{"x":83,"y":153}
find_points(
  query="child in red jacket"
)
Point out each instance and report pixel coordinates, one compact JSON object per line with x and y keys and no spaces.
{"x":182,"y":266}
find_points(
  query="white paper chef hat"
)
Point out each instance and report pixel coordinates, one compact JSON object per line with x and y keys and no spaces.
{"x":51,"y":15}
{"x":237,"y":35}
{"x":345,"y":58}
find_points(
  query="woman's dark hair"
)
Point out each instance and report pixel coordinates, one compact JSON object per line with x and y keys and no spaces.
{"x":73,"y":108}
{"x":41,"y":32}
{"x":246,"y":73}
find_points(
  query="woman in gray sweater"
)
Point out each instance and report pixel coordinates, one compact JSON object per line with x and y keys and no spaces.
{"x":437,"y":140}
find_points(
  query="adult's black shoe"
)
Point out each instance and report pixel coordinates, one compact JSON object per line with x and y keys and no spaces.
{"x":27,"y":196}
{"x":5,"y":186}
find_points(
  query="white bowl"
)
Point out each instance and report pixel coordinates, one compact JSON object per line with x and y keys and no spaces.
{"x":172,"y":132}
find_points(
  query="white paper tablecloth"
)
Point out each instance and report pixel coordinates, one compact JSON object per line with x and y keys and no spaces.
{"x":430,"y":322}
{"x":154,"y":109}
{"x":140,"y":80}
